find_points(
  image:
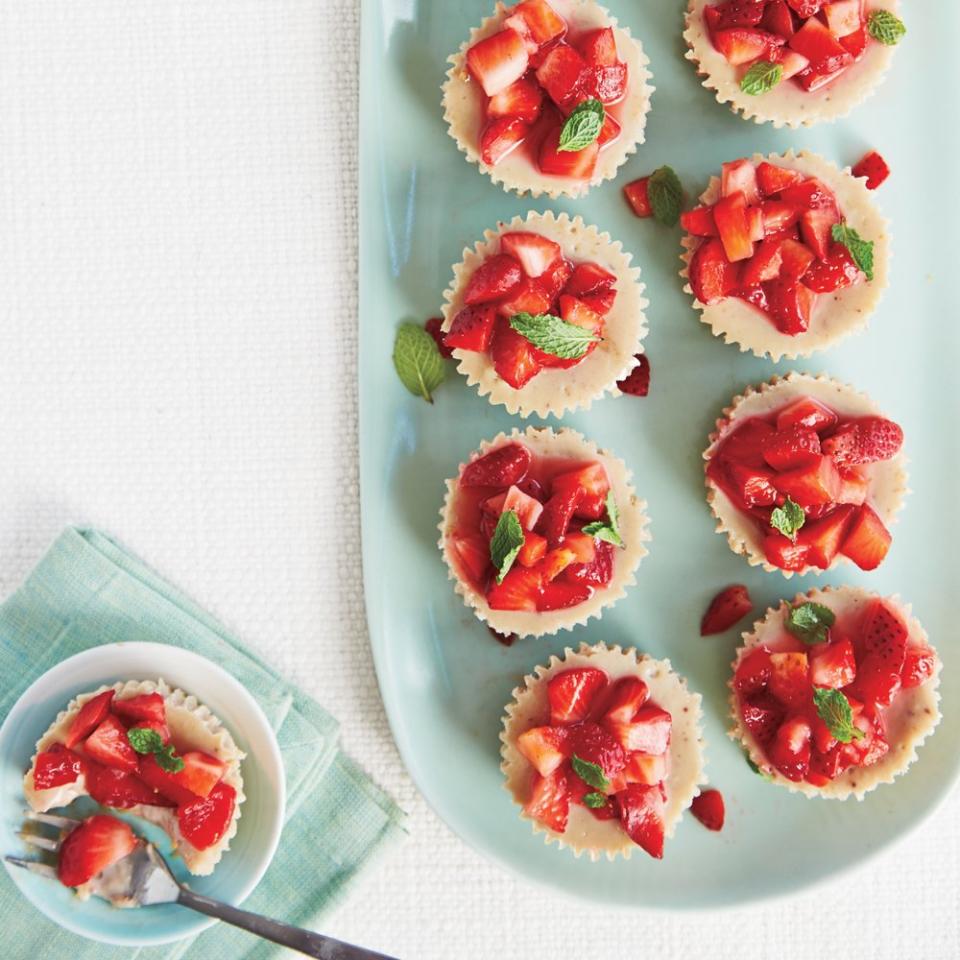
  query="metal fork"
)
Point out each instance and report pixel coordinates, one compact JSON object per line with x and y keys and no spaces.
{"x":143,"y":879}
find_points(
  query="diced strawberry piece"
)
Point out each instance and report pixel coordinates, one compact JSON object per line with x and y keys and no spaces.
{"x":571,"y":694}
{"x":643,"y":768}
{"x":638,"y":197}
{"x":522,"y":100}
{"x":746,"y":442}
{"x":544,"y":747}
{"x":790,"y":678}
{"x":753,"y":486}
{"x":541,"y":22}
{"x":108,"y":745}
{"x":764,"y":264}
{"x":591,"y":479}
{"x":561,"y":74}
{"x":812,"y":80}
{"x":733,"y":225}
{"x":919,"y":665}
{"x":699,"y":222}
{"x":744,"y":45}
{"x":599,"y":47}
{"x":843,"y":17}
{"x":855,"y":486}
{"x":609,"y":132}
{"x":790,"y":304}
{"x":868,"y":540}
{"x":777,"y":216}
{"x":533,"y":550}
{"x":91,"y":714}
{"x":89,"y":849}
{"x":56,"y":766}
{"x":819,"y":482}
{"x":642,"y":816}
{"x":784,"y":553}
{"x":472,"y":329}
{"x":738,"y":13}
{"x":824,"y":51}
{"x":773,"y":179}
{"x":499,"y":137}
{"x":549,"y":801}
{"x":790,"y":750}
{"x":753,"y":672}
{"x":712,"y":276}
{"x":833,"y":664}
{"x":815,"y":229}
{"x":637,"y":382}
{"x":591,"y":742}
{"x":883,"y":636}
{"x":527,"y":508}
{"x":792,"y":447}
{"x":493,"y":279}
{"x":778,"y":19}
{"x":740,"y":176}
{"x":503,"y":467}
{"x":648,"y":732}
{"x":434,"y":326}
{"x":609,"y":84}
{"x":583,"y":546}
{"x":121,"y":790}
{"x":166,"y":784}
{"x":554,"y":278}
{"x":627,"y":696}
{"x":874,"y":168}
{"x":520,"y":590}
{"x":528,"y":297}
{"x":514,"y":357}
{"x":498,"y":61}
{"x":755,"y":222}
{"x":806,"y":412}
{"x":796,"y":260}
{"x":200,"y":774}
{"x":728,"y":607}
{"x":577,"y":165}
{"x":824,"y":536}
{"x":576,"y":312}
{"x":806,"y":8}
{"x":707,"y":807}
{"x":589,"y":278}
{"x":791,"y":62}
{"x":554,"y":563}
{"x":557,"y":513}
{"x":161,"y":729}
{"x":762,"y":715}
{"x":147,"y":706}
{"x":474,"y":555}
{"x":855,"y":43}
{"x":535,"y":252}
{"x":876,"y":686}
{"x":204,"y":821}
{"x":598,"y":571}
{"x":865,"y":440}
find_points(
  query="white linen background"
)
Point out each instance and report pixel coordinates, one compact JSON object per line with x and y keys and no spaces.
{"x":178,"y":345}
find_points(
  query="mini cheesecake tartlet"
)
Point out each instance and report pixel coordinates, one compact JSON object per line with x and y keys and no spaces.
{"x":832,"y":694}
{"x":803,"y":473}
{"x":792,"y":62}
{"x":785,"y":254}
{"x":518,"y":91}
{"x":541,"y":530}
{"x":153,"y":751}
{"x":545,"y":314}
{"x":603,"y":751}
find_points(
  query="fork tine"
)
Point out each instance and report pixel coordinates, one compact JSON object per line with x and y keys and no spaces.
{"x":55,"y":820}
{"x":41,"y":869}
{"x":36,"y":840}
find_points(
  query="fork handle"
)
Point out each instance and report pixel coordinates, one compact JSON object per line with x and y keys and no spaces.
{"x":296,"y":938}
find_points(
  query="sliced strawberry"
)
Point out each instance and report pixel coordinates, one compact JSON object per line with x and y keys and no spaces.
{"x":608,"y":84}
{"x":806,"y":8}
{"x":643,"y":768}
{"x":493,"y":279}
{"x":744,"y":45}
{"x":522,"y":100}
{"x":753,"y":672}
{"x":147,"y":706}
{"x":883,"y":638}
{"x":535,"y":252}
{"x":204,"y":821}
{"x":790,"y":679}
{"x":778,"y":216}
{"x":599,"y":47}
{"x":553,"y":280}
{"x":868,"y":540}
{"x":540,"y":22}
{"x":790,"y":750}
{"x":121,"y":790}
{"x":514,"y":357}
{"x":807,"y":412}
{"x":601,"y":303}
{"x":791,"y":62}
{"x":89,"y":849}
{"x":792,"y":447}
{"x":699,"y":222}
{"x":825,"y":53}
{"x":108,"y":744}
{"x":707,"y":807}
{"x":627,"y":696}
{"x":530,"y":296}
{"x":790,"y":305}
{"x":527,"y":508}
{"x":161,"y":729}
{"x":520,"y":590}
{"x":498,"y":61}
{"x":855,"y":486}
{"x":738,"y":13}
{"x":638,"y":197}
{"x":595,"y":744}
{"x":583,"y":546}
{"x":56,"y":766}
{"x":865,"y":440}
{"x":648,"y":732}
{"x":823,"y":537}
{"x":589,"y":278}
{"x":820,"y":482}
{"x":796,"y":260}
{"x":168,"y":785}
{"x":609,"y":132}
{"x":575,"y":164}
{"x":90,"y":716}
{"x":712,"y":276}
{"x":773,"y":179}
{"x":728,"y":607}
{"x":874,"y":168}
{"x":593,"y":483}
{"x":561,"y":74}
{"x":642,"y":816}
{"x":833,"y":664}
{"x":740,"y":176}
{"x":474,"y":556}
{"x":753,"y":486}
{"x":815,"y":228}
{"x":637,"y":382}
{"x":746,"y":442}
{"x":730,"y":216}
{"x":434,"y":326}
{"x":778,"y":19}
{"x":572,"y":692}
{"x":762,"y":715}
{"x":472,"y":329}
{"x":561,"y":595}
{"x":764,"y":264}
{"x":533,"y":550}
{"x":557,"y":514}
{"x":549,"y":802}
{"x":503,"y":467}
{"x":919,"y":665}
{"x":784,"y":553}
{"x":554,"y":563}
{"x":500,"y":137}
{"x":545,"y":747}
{"x":843,"y":17}
{"x":598,"y":571}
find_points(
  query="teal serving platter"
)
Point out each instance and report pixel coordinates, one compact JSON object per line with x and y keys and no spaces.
{"x":444,"y":680}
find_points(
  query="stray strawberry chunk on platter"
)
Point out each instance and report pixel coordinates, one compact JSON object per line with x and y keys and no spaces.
{"x":708,"y":808}
{"x":728,"y":607}
{"x":873,"y":167}
{"x":637,"y":382}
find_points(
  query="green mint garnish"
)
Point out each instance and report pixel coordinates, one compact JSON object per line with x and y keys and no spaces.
{"x":609,"y":530}
{"x":762,"y":77}
{"x":810,"y":622}
{"x":144,"y":740}
{"x":834,"y":710}
{"x":582,"y":127}
{"x":788,"y":519}
{"x":590,"y":773}
{"x":168,"y":760}
{"x":595,"y":800}
{"x":506,"y":543}
{"x":665,"y":193}
{"x":882,"y":25}
{"x":755,"y":768}
{"x":553,"y":335}
{"x":417,"y":360}
{"x":861,"y":250}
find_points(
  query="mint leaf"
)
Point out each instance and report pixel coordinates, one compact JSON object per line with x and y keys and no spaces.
{"x":755,"y":768}
{"x":834,"y":710}
{"x":582,"y":127}
{"x":417,"y":360}
{"x":609,"y":531}
{"x":506,"y":543}
{"x":168,"y":760}
{"x":762,"y":77}
{"x":665,"y":193}
{"x":590,"y":773}
{"x":788,"y":519}
{"x":882,"y":25}
{"x":144,"y":740}
{"x":553,"y":335}
{"x":810,"y":622}
{"x":595,"y":800}
{"x":861,"y":250}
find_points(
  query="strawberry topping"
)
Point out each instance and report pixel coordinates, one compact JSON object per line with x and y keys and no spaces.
{"x":204,"y":820}
{"x":89,"y":849}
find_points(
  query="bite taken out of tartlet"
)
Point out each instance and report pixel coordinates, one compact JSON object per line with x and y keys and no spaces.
{"x":832,"y":694}
{"x":541,"y":531}
{"x":804,"y":473}
{"x":548,"y":97}
{"x":545,"y":314}
{"x":603,"y":751}
{"x":785,"y":255}
{"x":792,"y":62}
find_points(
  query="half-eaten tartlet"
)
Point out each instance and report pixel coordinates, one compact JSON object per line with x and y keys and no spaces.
{"x":792,"y":62}
{"x":832,"y":694}
{"x":785,"y":255}
{"x":603,"y":750}
{"x":548,"y":98}
{"x":545,"y":314}
{"x":804,"y":472}
{"x":154,"y":751}
{"x":541,"y":531}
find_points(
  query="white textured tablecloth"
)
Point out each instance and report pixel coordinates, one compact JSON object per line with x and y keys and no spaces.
{"x":177,"y":366}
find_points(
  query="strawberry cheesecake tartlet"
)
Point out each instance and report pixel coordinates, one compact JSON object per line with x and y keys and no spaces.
{"x":832,"y":694}
{"x":785,"y":254}
{"x":545,"y":314}
{"x":154,"y":751}
{"x":804,"y":472}
{"x":792,"y":62}
{"x":541,"y":531}
{"x":603,"y":751}
{"x":548,"y":97}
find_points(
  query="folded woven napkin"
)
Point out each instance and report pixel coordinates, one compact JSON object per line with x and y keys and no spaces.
{"x":337,"y":821}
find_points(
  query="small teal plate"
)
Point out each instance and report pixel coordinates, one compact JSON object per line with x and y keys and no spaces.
{"x":444,"y":680}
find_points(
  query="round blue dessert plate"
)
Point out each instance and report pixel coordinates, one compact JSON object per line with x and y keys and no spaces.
{"x":445,"y":681}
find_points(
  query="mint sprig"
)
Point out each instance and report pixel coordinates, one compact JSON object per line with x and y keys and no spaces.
{"x":146,"y":741}
{"x":788,"y":519}
{"x":506,"y":543}
{"x":883,"y":26}
{"x":553,"y":335}
{"x":590,"y":773}
{"x":834,"y":710}
{"x":608,"y":530}
{"x":595,"y":800}
{"x":761,"y":78}
{"x":582,"y":127}
{"x":417,"y":360}
{"x":861,"y":250}
{"x":810,"y":622}
{"x":665,"y":194}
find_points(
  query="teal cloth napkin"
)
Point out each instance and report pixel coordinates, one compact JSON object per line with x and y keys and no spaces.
{"x":337,"y":821}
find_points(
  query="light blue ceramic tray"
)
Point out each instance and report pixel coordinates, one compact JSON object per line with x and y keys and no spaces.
{"x":444,"y":680}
